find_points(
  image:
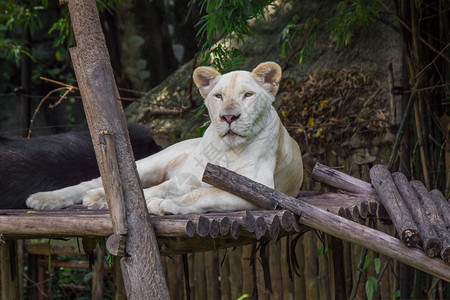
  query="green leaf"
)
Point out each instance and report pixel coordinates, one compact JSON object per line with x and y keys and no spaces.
{"x":371,"y":287}
{"x":367,"y":261}
{"x":377,"y":262}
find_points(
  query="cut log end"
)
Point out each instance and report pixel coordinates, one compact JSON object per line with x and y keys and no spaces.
{"x":190,"y":228}
{"x":203,"y":226}
{"x":445,"y":254}
{"x":410,"y":237}
{"x":433,"y":247}
{"x":116,"y":244}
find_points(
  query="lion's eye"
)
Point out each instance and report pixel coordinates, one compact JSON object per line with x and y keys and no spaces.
{"x":218,"y":96}
{"x":248,"y":94}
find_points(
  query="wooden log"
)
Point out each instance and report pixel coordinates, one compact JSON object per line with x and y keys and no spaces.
{"x":393,"y":203}
{"x":115,"y":200}
{"x":272,"y":221}
{"x":214,"y":228}
{"x":322,"y":220}
{"x":430,"y":242}
{"x":363,"y":209}
{"x":287,"y":220}
{"x":383,"y":215}
{"x":225,"y":225}
{"x":249,"y":221}
{"x":142,"y":270}
{"x":16,"y":223}
{"x":116,"y":244}
{"x":341,"y":180}
{"x":433,"y":215}
{"x":442,"y":205}
{"x":235,"y":229}
{"x":260,"y":228}
{"x":203,"y":226}
{"x":274,"y":228}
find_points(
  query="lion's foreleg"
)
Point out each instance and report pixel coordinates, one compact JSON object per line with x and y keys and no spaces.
{"x":199,"y":201}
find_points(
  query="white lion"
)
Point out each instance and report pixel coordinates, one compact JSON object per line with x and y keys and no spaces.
{"x":245,"y":136}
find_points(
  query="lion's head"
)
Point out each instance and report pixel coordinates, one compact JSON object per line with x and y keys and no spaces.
{"x":239,"y":102}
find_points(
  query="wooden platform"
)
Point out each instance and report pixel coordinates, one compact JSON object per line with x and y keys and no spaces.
{"x":187,"y":233}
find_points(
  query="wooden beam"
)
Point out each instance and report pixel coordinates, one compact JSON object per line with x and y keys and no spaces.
{"x":320,"y":219}
{"x":142,"y":269}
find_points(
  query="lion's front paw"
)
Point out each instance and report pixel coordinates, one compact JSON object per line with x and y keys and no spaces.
{"x":47,"y":200}
{"x":154,"y":206}
{"x":95,"y":199}
{"x":158,"y":206}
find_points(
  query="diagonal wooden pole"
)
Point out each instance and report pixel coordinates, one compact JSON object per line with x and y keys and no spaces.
{"x":142,"y":269}
{"x":325,"y":221}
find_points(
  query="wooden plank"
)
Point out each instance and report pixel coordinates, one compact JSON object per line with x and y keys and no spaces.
{"x":322,"y":220}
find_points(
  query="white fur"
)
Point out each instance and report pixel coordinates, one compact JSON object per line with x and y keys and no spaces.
{"x":257,"y":146}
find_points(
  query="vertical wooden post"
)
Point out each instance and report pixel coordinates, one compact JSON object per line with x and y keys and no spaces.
{"x":9,"y":278}
{"x":142,"y":270}
{"x":98,"y":272}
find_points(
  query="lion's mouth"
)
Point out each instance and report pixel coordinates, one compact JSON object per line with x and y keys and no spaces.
{"x":231,"y":133}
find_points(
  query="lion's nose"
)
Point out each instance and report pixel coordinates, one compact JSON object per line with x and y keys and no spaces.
{"x":230,"y":118}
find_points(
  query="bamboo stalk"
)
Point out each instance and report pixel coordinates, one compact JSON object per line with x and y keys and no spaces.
{"x":420,"y":141}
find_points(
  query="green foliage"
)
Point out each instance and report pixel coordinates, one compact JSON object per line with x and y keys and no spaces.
{"x":372,"y":282}
{"x":25,"y":14}
{"x":377,"y":263}
{"x":226,"y":59}
{"x":371,"y":287}
{"x":14,"y":15}
{"x":223,"y":20}
{"x":322,"y":250}
{"x":351,"y":17}
{"x":294,"y":29}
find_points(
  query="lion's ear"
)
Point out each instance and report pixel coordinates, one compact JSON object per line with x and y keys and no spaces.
{"x":203,"y":78}
{"x":269,"y":75}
